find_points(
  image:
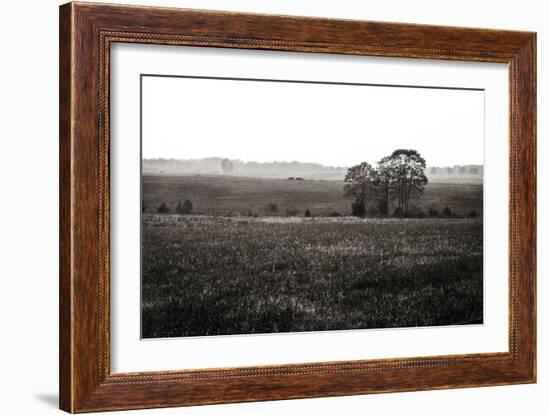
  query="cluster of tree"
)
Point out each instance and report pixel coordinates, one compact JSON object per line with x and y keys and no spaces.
{"x":184,"y":208}
{"x":398,"y":178}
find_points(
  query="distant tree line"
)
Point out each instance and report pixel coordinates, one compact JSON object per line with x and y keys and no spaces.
{"x":471,"y":170}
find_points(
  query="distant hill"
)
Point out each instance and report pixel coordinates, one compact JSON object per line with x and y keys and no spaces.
{"x":283,"y":170}
{"x":218,"y":165}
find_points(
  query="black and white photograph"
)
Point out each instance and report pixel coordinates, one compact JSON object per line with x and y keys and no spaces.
{"x":276,"y":206}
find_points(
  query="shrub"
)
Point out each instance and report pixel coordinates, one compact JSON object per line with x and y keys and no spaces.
{"x":358,"y":209}
{"x":372,"y":211}
{"x":446,"y":212}
{"x":290,"y":211}
{"x":420,"y":214}
{"x":184,"y":208}
{"x":416,"y":212}
{"x":433,"y":213}
{"x":307,"y":214}
{"x":334,"y":214}
{"x":187,"y":207}
{"x":472,"y":214}
{"x":272,"y":208}
{"x":398,"y":212}
{"x":163,"y":208}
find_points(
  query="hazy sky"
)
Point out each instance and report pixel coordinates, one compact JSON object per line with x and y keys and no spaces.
{"x":336,"y":125}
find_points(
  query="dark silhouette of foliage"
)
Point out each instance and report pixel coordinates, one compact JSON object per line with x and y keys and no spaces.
{"x":187,"y":207}
{"x":406,"y":169}
{"x":386,"y":180}
{"x":372,"y":211}
{"x":420,"y":214}
{"x":184,"y":208}
{"x":307,"y":213}
{"x":446,"y":212}
{"x":472,"y":214}
{"x":433,"y":213}
{"x":291,"y":211}
{"x":400,"y":177}
{"x":163,"y":208}
{"x":358,"y":209}
{"x":398,"y":212}
{"x":272,"y":208}
{"x":360,"y":183}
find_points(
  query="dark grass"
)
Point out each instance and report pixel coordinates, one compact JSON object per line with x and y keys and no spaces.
{"x":214,"y":195}
{"x":218,"y":276}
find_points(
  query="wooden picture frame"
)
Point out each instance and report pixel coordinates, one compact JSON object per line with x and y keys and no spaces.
{"x":86,"y":33}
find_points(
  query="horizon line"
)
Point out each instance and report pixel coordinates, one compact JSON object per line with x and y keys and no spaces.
{"x":289,"y":162}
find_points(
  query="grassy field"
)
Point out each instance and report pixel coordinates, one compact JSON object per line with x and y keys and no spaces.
{"x":206,"y":275}
{"x":222,"y":195}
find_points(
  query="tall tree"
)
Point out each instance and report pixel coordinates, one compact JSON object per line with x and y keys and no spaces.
{"x":386,"y":176}
{"x":408,"y":168}
{"x":360,"y":183}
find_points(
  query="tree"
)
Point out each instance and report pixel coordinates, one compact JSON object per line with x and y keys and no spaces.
{"x":163,"y":208}
{"x":446,"y":212}
{"x":187,"y":207}
{"x":386,"y":176}
{"x":184,"y":208}
{"x":408,"y":178}
{"x":227,"y":166}
{"x":360,"y":183}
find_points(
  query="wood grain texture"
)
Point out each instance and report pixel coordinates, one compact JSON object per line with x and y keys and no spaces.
{"x":86,"y":33}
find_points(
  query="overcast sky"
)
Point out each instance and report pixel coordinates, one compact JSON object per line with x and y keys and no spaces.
{"x":336,"y":125}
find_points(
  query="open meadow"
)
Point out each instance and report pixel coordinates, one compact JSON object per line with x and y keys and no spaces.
{"x":230,"y":195}
{"x":216,"y":275}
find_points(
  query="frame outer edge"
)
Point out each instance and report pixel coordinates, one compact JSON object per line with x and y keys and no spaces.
{"x":66,"y":120}
{"x":528,"y":97}
{"x":82,"y":388}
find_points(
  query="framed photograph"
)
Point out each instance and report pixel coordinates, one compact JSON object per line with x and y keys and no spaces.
{"x":258,"y":207}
